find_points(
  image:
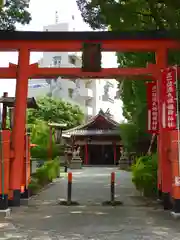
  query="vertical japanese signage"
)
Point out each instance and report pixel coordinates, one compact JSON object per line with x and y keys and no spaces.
{"x":152,"y":104}
{"x":169,"y":109}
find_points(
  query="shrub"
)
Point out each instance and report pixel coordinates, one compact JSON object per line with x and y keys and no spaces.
{"x":52,"y":172}
{"x":145,"y":175}
{"x":34,"y":187}
{"x":46,"y":173}
{"x":42,"y":175}
{"x":57,"y":166}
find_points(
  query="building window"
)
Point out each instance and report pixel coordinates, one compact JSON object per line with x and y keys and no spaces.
{"x":106,"y":98}
{"x":88,"y":83}
{"x":110,"y":84}
{"x":77,"y":81}
{"x":72,"y":60}
{"x":70,"y":92}
{"x":57,"y":61}
{"x":106,"y":89}
{"x":110,"y":100}
{"x":88,"y":103}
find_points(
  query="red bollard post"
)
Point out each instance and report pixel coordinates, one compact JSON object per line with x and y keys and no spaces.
{"x":112,"y":187}
{"x":69,"y":189}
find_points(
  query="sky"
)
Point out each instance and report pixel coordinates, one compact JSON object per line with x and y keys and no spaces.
{"x":43,"y":13}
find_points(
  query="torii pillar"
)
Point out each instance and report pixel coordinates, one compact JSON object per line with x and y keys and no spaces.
{"x":18,"y":131}
{"x":164,"y":164}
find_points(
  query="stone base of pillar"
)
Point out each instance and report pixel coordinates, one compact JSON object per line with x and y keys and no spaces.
{"x":16,"y":199}
{"x":76,"y":163}
{"x":3,"y":201}
{"x":167,"y":201}
{"x":159,"y":195}
{"x":25,"y":194}
{"x":176,"y":208}
{"x":123,"y":163}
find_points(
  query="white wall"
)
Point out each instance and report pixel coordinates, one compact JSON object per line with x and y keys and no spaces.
{"x":99,"y":103}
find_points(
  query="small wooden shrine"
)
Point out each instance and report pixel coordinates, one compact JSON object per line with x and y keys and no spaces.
{"x":8,"y":104}
{"x":99,"y":140}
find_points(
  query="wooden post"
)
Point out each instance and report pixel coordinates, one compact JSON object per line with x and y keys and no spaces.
{"x":164,"y":165}
{"x":11,"y":110}
{"x":86,"y":154}
{"x":50,"y":143}
{"x":115,"y":155}
{"x":26,"y":169}
{"x":4,"y":113}
{"x":4,"y":168}
{"x":19,"y":122}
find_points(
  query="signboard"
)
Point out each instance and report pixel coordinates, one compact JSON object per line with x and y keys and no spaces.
{"x":91,"y":57}
{"x":169,"y":105}
{"x":177,"y":181}
{"x":152,"y":105}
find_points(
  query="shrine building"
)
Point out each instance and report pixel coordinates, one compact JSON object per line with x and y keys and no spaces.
{"x":99,"y":140}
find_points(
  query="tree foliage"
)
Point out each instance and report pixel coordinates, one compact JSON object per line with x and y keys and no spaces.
{"x":14,"y":11}
{"x":50,"y":110}
{"x":57,"y":111}
{"x":131,"y":14}
{"x":125,"y":15}
{"x":40,"y":136}
{"x":129,"y":135}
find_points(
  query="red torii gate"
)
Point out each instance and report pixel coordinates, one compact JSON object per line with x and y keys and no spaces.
{"x":154,"y":41}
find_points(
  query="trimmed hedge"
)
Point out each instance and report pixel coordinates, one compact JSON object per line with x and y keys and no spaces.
{"x":44,"y":175}
{"x":144,"y":173}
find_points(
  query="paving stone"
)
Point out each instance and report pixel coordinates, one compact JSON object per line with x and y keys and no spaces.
{"x":45,"y":219}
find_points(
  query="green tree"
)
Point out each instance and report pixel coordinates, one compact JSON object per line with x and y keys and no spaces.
{"x":56,"y":110}
{"x":14,"y":11}
{"x":40,"y":136}
{"x":133,"y":15}
{"x":129,"y":135}
{"x":130,"y":15}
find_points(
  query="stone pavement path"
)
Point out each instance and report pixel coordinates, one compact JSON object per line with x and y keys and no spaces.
{"x":45,"y":219}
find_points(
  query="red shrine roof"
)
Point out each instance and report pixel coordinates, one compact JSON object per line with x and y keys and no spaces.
{"x":88,"y":129}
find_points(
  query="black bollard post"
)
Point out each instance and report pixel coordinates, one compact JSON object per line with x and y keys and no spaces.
{"x":69,"y":189}
{"x":112,"y":187}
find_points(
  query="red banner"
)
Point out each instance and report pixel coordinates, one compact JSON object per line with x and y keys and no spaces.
{"x":169,"y":103}
{"x":152,"y":105}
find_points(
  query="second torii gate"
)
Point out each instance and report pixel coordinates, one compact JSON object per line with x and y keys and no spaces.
{"x":25,"y":42}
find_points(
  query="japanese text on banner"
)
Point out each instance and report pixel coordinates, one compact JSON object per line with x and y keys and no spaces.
{"x":152,"y":108}
{"x":169,"y":98}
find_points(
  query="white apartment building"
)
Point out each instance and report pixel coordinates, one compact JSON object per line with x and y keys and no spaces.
{"x":90,"y":94}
